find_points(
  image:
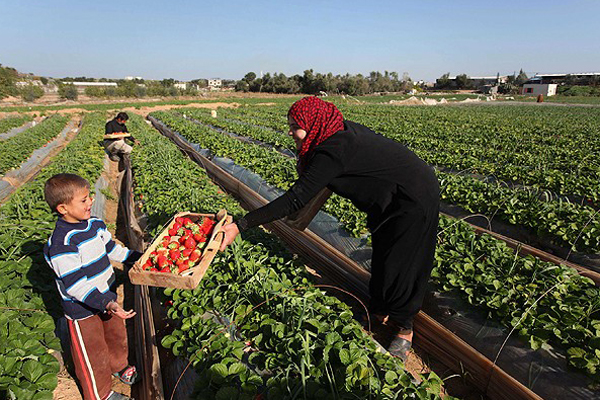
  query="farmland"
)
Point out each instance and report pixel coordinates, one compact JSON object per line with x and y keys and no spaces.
{"x":258,"y":323}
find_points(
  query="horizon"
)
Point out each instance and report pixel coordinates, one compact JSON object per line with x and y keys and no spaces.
{"x":186,"y":41}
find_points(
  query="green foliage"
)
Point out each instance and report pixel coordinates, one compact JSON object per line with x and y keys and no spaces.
{"x":28,"y":369}
{"x":68,"y":91}
{"x":8,"y":80}
{"x":300,"y":341}
{"x":31,"y":92}
{"x":18,"y":148}
{"x":8,"y":123}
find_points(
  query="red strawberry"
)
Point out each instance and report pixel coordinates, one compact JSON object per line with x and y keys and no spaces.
{"x":174,"y":254}
{"x":179,"y":220}
{"x":187,"y":221}
{"x":182,"y":239}
{"x":185,"y":265}
{"x":198,"y":237}
{"x":173,"y":232}
{"x":162,"y":262}
{"x":148,"y":264}
{"x":186,"y":252}
{"x":165,"y":269}
{"x":173,"y":245}
{"x":153,"y":269}
{"x":195,"y":256}
{"x":190,"y":243}
{"x":176,"y":226}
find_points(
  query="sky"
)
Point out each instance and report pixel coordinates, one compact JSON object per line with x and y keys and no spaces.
{"x":187,"y":40}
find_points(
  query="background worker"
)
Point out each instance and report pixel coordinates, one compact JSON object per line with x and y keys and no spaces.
{"x":115,"y":147}
{"x":398,"y":191}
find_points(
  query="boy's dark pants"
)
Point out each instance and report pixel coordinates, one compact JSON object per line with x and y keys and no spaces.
{"x":99,"y":348}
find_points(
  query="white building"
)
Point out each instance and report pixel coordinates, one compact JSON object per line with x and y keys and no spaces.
{"x":181,"y":86}
{"x":130,"y":78}
{"x":535,"y":89}
{"x":215,"y":83}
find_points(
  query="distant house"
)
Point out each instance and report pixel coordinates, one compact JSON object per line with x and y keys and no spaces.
{"x":580,"y":78}
{"x":181,"y":86}
{"x":215,"y":83}
{"x":535,"y":87}
{"x":186,"y":85}
{"x":131,"y":78}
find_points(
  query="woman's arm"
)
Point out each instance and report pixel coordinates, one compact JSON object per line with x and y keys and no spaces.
{"x":321,"y":170}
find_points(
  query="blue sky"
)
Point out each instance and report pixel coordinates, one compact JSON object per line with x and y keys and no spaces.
{"x":187,"y":40}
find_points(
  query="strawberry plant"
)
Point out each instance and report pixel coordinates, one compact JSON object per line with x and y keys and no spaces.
{"x":8,"y":123}
{"x":18,"y":148}
{"x":29,"y":299}
{"x":255,"y":324}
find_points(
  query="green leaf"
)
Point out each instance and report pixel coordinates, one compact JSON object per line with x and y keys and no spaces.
{"x":32,"y":370}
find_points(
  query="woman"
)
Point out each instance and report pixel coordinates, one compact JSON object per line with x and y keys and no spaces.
{"x":397,"y":190}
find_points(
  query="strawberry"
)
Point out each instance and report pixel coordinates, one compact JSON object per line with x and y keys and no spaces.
{"x":179,"y":220}
{"x":184,"y":265}
{"x":176,"y":226}
{"x":162,"y":262}
{"x":195,"y":256}
{"x":186,"y":252}
{"x":182,"y":239}
{"x":153,"y":269}
{"x":190,"y":243}
{"x":198,"y":237}
{"x":173,"y":245}
{"x":173,"y":232}
{"x":174,"y":254}
{"x":165,"y":269}
{"x":179,"y":262}
{"x":187,"y":221}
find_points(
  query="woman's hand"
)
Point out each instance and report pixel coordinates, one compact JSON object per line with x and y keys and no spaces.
{"x":231,"y":232}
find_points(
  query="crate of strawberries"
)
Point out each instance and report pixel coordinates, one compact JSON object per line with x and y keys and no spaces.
{"x":181,"y":254}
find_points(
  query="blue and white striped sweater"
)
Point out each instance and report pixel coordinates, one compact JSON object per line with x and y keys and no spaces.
{"x":80,"y":255}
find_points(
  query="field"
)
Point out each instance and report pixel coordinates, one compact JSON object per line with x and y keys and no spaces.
{"x":260,"y":324}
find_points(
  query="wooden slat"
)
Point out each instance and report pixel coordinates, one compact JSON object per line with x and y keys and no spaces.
{"x":150,"y":387}
{"x":433,"y":337}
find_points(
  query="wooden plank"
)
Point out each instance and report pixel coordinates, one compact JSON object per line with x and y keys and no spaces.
{"x":150,"y":387}
{"x":436,"y":340}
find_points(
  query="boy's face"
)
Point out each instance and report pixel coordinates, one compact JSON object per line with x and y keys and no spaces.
{"x":79,"y":209}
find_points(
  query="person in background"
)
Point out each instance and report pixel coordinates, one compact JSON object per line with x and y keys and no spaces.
{"x":118,"y":147}
{"x":80,"y":251}
{"x":396,"y":189}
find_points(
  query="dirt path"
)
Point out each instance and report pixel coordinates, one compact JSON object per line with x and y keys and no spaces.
{"x":143,"y":111}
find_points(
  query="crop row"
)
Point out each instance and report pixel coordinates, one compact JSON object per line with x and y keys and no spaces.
{"x":8,"y":123}
{"x":569,"y":224}
{"x":29,"y":299}
{"x":574,"y":300}
{"x":548,"y":149}
{"x":18,"y":148}
{"x":255,"y":324}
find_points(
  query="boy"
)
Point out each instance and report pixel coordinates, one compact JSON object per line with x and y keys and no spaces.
{"x":79,"y":251}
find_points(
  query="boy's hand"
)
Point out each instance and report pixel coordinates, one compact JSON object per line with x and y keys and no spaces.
{"x":231,"y":231}
{"x":115,"y":309}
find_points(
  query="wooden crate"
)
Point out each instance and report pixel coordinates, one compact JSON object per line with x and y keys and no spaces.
{"x":192,"y":276}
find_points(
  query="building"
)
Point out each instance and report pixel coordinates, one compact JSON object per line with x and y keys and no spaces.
{"x":215,"y":83}
{"x":533,"y":88}
{"x":583,"y":78}
{"x":131,"y":78}
{"x":181,"y":86}
{"x":81,"y":86}
{"x":476,"y":82}
{"x":186,"y":86}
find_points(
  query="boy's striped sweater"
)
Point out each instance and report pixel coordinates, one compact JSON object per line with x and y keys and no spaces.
{"x":80,"y":254}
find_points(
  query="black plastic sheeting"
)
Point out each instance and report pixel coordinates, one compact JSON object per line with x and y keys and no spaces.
{"x":32,"y":164}
{"x":545,"y":371}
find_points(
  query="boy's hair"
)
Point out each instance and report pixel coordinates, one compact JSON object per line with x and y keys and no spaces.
{"x":61,"y":189}
{"x":122,"y":116}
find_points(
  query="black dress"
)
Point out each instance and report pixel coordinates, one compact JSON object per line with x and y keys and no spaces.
{"x":400,"y":195}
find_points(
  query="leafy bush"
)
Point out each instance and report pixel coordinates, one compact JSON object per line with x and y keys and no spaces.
{"x":68,"y":92}
{"x":31,"y":92}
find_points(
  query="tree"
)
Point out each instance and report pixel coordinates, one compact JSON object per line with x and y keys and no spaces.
{"x":242,"y":86}
{"x":67,"y":91}
{"x":249,"y":77}
{"x":44,"y":80}
{"x":463,"y":81}
{"x":167,"y":82}
{"x":521,"y":78}
{"x":443,"y":82}
{"x":31,"y":92}
{"x":8,"y":79}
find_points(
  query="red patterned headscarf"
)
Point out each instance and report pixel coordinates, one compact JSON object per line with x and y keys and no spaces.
{"x":320,"y":119}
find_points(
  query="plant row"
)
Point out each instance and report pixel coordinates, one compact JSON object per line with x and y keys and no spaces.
{"x":256,"y":325}
{"x":8,"y":123}
{"x":575,"y":299}
{"x":18,"y":148}
{"x":568,"y":224}
{"x":29,"y":299}
{"x":547,"y":149}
